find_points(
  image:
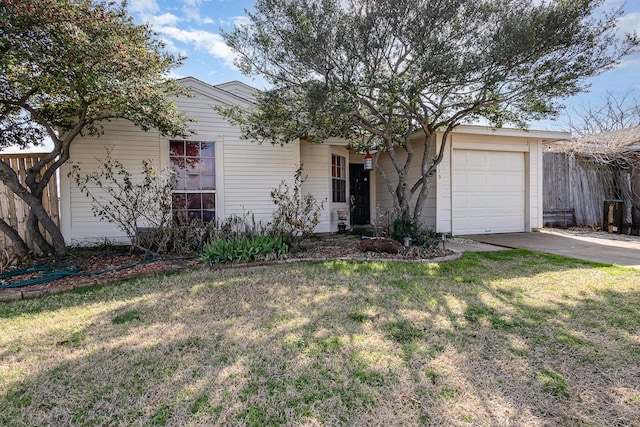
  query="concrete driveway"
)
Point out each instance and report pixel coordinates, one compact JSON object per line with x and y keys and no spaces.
{"x":598,"y":247}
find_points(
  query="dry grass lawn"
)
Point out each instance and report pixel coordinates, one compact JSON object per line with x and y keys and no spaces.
{"x":495,"y":339}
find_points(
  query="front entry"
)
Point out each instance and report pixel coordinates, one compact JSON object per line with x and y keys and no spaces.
{"x":359,"y":193}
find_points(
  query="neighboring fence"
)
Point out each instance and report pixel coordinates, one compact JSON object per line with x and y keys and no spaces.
{"x":575,"y":190}
{"x":558,"y":210}
{"x":13,"y":210}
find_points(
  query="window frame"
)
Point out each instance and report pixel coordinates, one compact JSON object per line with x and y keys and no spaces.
{"x":201,"y":171}
{"x":338,"y":178}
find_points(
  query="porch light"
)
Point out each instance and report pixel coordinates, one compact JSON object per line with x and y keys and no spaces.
{"x":368,"y":161}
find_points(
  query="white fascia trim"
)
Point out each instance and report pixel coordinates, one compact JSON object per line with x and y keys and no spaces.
{"x":545,"y":135}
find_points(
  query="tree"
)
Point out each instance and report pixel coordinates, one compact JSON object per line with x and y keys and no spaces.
{"x":66,"y":66}
{"x":380,"y":72}
{"x":616,"y":112}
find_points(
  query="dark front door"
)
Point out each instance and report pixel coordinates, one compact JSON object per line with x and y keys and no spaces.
{"x":359,"y":192}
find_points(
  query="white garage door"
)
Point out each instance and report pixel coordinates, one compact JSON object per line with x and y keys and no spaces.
{"x":488,"y":192}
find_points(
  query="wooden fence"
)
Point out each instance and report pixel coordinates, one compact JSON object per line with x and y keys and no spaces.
{"x":13,"y":210}
{"x":575,"y":190}
{"x":558,"y":207}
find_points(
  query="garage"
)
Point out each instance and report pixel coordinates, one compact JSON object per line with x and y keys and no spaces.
{"x":488,"y":192}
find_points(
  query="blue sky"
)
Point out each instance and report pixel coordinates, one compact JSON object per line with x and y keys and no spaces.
{"x":192,"y":28}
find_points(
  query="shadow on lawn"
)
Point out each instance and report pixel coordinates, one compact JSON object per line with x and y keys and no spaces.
{"x":467,"y":342}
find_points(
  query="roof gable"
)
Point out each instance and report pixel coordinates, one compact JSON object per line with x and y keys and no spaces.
{"x":239,"y":89}
{"x":214,"y":92}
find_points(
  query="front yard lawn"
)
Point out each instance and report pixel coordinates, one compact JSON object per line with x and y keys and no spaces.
{"x":505,"y":338}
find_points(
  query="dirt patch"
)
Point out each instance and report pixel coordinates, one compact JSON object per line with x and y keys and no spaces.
{"x":99,"y":267}
{"x":346,"y":247}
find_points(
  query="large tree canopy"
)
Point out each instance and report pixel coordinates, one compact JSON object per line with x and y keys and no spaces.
{"x":65,"y":66}
{"x":384,"y":71}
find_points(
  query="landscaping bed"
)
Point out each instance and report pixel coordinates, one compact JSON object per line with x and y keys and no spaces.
{"x":112,"y":265}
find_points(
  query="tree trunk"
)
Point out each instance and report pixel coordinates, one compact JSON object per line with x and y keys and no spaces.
{"x":38,"y":210}
{"x":20,"y":248}
{"x":33,"y":230}
{"x":9,"y":178}
{"x":425,"y":185}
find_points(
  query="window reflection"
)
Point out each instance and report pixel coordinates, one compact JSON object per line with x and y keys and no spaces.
{"x":194,"y":185}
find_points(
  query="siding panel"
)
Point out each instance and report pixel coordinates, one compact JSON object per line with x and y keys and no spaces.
{"x":246,"y":172}
{"x":385,"y":199}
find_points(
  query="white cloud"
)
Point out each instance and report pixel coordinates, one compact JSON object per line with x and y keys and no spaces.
{"x":630,"y":22}
{"x":202,"y":40}
{"x":192,"y":13}
{"x":163,"y":20}
{"x":632,"y":61}
{"x":143,"y":6}
{"x":241,"y":21}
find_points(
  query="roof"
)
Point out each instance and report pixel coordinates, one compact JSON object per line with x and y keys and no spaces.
{"x":240,"y":89}
{"x":217,"y":92}
{"x":546,"y":136}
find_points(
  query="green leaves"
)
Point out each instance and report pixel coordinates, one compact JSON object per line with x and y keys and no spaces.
{"x":383,"y":70}
{"x":69,"y":64}
{"x":65,"y":67}
{"x":244,"y":249}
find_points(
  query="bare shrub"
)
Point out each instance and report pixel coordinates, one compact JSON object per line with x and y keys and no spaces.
{"x":130,"y":203}
{"x":296,"y":215}
{"x":241,"y":226}
{"x":191,"y":237}
{"x":383,"y":222}
{"x":5,"y":260}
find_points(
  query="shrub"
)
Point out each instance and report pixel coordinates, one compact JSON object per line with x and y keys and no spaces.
{"x":141,"y":208}
{"x":296,"y":215}
{"x":191,"y":237}
{"x":405,"y":226}
{"x":129,"y":202}
{"x":383,"y":222}
{"x":244,"y":249}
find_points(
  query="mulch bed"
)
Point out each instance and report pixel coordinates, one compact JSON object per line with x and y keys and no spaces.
{"x":123,"y":265}
{"x":115,"y":265}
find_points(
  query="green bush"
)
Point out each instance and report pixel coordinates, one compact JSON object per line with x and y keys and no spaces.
{"x":244,"y":249}
{"x":406,"y":226}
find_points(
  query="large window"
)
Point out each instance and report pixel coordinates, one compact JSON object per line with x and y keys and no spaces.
{"x":194,"y":188}
{"x":338,"y":179}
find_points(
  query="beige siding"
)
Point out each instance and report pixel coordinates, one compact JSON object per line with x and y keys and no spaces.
{"x":239,"y":89}
{"x":129,"y":145}
{"x":251,"y":171}
{"x":536,"y":177}
{"x":317,"y":168}
{"x":384,"y":198}
{"x":246,"y":172}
